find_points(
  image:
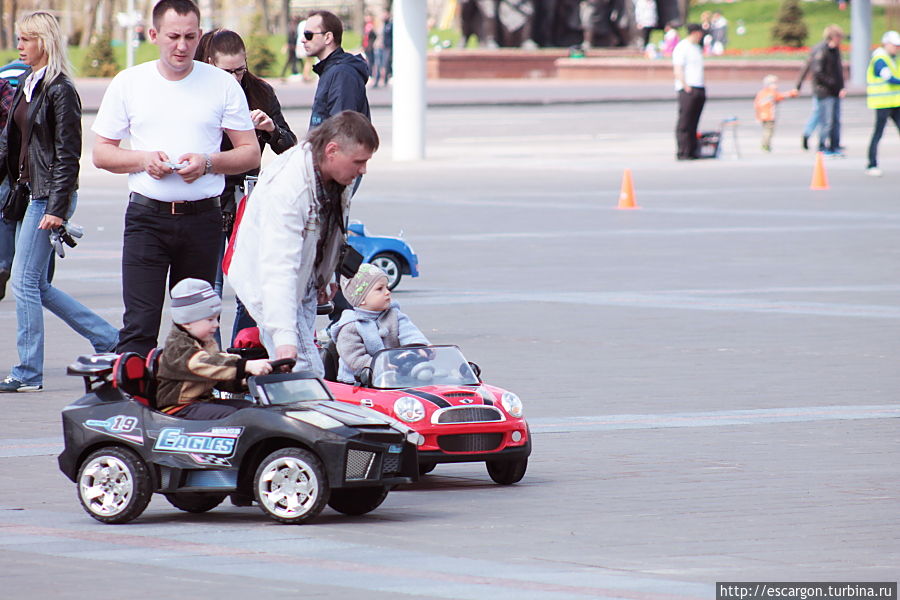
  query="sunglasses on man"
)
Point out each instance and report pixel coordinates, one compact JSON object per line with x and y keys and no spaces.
{"x":309,"y":34}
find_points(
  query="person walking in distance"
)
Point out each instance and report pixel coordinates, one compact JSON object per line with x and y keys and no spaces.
{"x":827,"y":72}
{"x":883,"y":93}
{"x":40,"y":151}
{"x":175,"y":111}
{"x":687,"y":61}
{"x":342,"y":76}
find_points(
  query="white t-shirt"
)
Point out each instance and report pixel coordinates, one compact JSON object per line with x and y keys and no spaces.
{"x":176,"y":117}
{"x":688,"y":55}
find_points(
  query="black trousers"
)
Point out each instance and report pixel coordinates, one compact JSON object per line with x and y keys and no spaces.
{"x":160,"y":245}
{"x":690,"y":105}
{"x":214,"y":409}
{"x":881,"y":118}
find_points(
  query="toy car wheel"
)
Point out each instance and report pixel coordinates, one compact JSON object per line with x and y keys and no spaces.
{"x":357,"y":501}
{"x":426,"y":467}
{"x":391,"y":266}
{"x":114,"y":485}
{"x":195,"y":502}
{"x":507,"y":472}
{"x":290,"y":485}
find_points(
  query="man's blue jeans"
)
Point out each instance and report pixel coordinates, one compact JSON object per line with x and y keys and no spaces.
{"x":830,"y":124}
{"x":33,"y":293}
{"x":7,"y":232}
{"x":814,"y":118}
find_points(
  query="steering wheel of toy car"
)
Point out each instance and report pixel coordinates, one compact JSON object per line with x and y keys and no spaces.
{"x":278,"y":364}
{"x":420,"y":369}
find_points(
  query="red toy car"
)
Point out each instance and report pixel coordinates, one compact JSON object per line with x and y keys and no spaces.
{"x":436,"y":392}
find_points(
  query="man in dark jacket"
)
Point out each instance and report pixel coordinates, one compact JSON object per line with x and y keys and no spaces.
{"x":828,"y":88}
{"x":342,"y":76}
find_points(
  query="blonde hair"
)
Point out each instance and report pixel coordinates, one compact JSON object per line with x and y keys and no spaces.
{"x":832,"y":31}
{"x":44,"y":26}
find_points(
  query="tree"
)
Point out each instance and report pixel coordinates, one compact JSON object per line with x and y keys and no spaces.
{"x":789,"y":28}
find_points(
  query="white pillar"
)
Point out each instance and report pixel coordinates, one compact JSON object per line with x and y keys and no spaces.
{"x":860,"y":39}
{"x":409,"y":58}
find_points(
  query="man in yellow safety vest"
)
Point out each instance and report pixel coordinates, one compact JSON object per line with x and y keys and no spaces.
{"x":883,"y":93}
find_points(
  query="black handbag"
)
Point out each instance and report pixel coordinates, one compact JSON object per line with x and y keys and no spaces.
{"x":349,"y":261}
{"x":16,"y":202}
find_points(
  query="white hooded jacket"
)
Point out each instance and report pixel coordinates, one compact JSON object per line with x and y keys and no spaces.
{"x":275,"y":248}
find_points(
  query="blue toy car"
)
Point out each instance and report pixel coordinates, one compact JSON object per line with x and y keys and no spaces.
{"x":391,"y":254}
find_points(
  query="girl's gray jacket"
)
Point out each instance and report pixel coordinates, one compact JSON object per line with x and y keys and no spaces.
{"x":361,"y":333}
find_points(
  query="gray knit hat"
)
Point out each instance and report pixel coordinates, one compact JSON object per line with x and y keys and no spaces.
{"x":356,"y":288}
{"x":193,"y":300}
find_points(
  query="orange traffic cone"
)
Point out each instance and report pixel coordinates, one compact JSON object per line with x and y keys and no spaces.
{"x":626,"y":196}
{"x":819,"y":178}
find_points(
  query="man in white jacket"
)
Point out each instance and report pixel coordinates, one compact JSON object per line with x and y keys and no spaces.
{"x":288,"y":243}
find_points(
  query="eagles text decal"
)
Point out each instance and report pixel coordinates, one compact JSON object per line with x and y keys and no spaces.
{"x":213,"y":447}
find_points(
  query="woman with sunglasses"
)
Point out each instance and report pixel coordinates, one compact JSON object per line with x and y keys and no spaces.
{"x":225,"y":49}
{"x":40,"y":150}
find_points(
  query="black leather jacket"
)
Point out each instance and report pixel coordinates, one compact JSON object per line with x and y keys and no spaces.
{"x":55,"y":148}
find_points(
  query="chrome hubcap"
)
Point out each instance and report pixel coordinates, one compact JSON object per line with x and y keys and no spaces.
{"x":288,"y":487}
{"x":106,"y":486}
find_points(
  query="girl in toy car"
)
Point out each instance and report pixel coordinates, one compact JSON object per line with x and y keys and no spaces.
{"x":374,"y":323}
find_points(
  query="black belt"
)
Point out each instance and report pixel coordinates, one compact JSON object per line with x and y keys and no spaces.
{"x":191,"y":207}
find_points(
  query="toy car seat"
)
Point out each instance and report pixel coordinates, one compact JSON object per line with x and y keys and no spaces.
{"x":329,"y":354}
{"x":130,"y":376}
{"x":152,"y":366}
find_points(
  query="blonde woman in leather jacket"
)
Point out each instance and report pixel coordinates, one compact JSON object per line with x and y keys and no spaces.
{"x":40,"y":148}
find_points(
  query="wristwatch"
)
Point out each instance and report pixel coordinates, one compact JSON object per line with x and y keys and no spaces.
{"x":208,"y":168}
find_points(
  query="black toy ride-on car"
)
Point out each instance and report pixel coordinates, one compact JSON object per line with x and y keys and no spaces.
{"x":294,"y":451}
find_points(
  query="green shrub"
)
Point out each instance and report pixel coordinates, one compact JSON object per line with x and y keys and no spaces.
{"x":99,"y":60}
{"x":789,"y":28}
{"x":260,"y":58}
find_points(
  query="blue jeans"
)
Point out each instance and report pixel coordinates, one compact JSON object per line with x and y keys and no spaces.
{"x":814,"y":118}
{"x":830,"y":124}
{"x":7,"y":232}
{"x":32,"y":292}
{"x":308,"y":358}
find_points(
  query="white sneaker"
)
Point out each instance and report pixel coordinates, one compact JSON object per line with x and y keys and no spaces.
{"x":874,"y":172}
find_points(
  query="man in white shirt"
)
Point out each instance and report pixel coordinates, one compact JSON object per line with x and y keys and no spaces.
{"x":687,"y":60}
{"x":174,"y":111}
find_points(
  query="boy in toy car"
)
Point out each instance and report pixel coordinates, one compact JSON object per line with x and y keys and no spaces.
{"x":192,"y":365}
{"x":375,"y":323}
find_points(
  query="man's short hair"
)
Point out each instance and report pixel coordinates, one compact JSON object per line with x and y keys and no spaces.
{"x":181,"y":7}
{"x":832,"y":31}
{"x":692,"y":27}
{"x":345,"y":128}
{"x":331,"y":22}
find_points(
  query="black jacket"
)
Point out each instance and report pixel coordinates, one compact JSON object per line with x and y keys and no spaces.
{"x":827,"y":71}
{"x":342,"y":86}
{"x":281,"y":139}
{"x":55,"y":147}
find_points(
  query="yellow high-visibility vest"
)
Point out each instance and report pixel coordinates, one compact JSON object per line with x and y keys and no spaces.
{"x":880,"y":93}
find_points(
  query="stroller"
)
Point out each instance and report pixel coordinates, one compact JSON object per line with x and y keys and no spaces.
{"x":709,"y":143}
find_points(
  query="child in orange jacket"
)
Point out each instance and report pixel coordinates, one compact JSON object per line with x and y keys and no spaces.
{"x":764,"y":104}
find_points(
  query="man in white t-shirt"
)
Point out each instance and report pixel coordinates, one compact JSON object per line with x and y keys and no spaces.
{"x":174,"y":111}
{"x":687,"y":60}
